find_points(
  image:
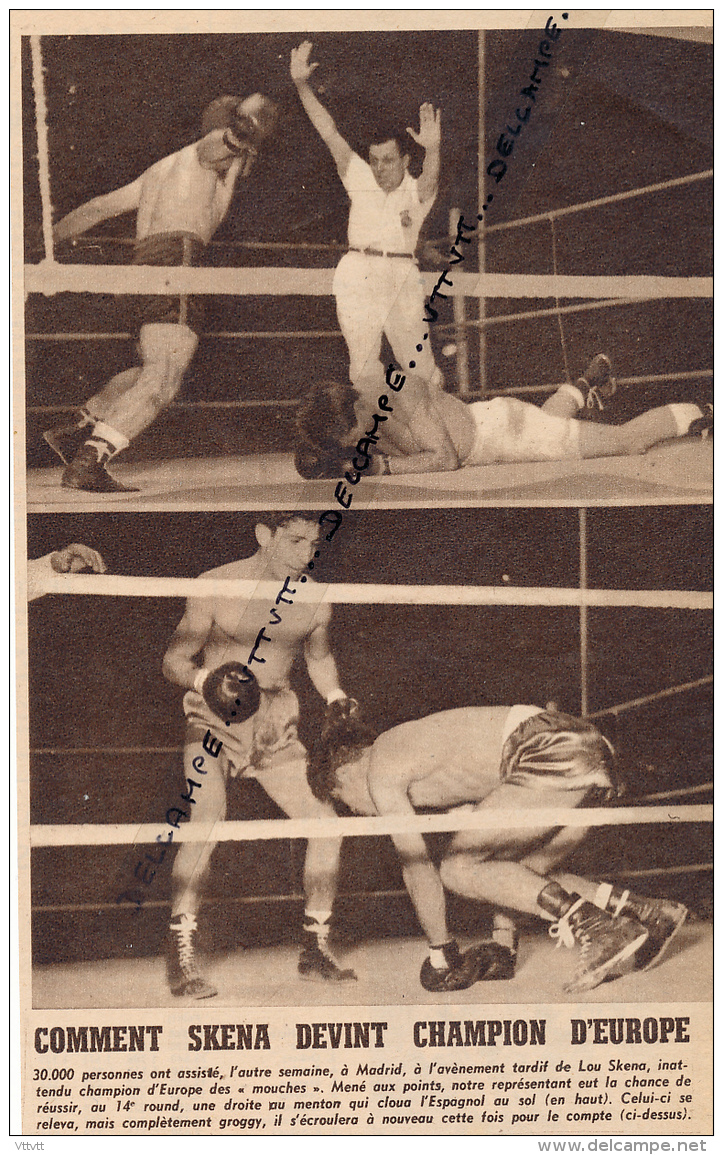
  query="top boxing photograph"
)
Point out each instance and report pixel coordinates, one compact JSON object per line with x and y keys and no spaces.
{"x":370,"y":270}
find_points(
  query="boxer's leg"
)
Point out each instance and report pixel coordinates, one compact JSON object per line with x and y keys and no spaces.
{"x":205,"y":788}
{"x":287,"y":785}
{"x":639,"y":434}
{"x":67,"y":439}
{"x":166,"y":351}
{"x":99,"y":405}
{"x":493,"y":865}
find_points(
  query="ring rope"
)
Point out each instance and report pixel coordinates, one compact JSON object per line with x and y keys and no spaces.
{"x":257,"y":899}
{"x":259,"y":403}
{"x":650,"y":871}
{"x":265,"y":830}
{"x":679,"y":792}
{"x":90,"y":240}
{"x":614,"y":198}
{"x":49,"y":278}
{"x":556,"y":310}
{"x":635,"y":703}
{"x":114,"y":585}
{"x":241,"y":334}
{"x":641,"y":379}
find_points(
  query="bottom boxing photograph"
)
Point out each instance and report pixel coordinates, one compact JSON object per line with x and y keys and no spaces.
{"x":270,"y":767}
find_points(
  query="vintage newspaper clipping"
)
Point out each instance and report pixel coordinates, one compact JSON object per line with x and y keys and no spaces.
{"x":363,"y":407}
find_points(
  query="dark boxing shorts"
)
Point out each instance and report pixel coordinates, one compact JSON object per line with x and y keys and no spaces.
{"x":183,"y":249}
{"x":559,"y":752}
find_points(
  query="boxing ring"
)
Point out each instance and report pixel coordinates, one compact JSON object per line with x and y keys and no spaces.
{"x":387,"y":966}
{"x":674,"y":473}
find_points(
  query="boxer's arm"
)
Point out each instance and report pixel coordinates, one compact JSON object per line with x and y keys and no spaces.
{"x":188,"y":640}
{"x":320,"y":661}
{"x":388,"y":787}
{"x":417,"y":411}
{"x":102,"y":208}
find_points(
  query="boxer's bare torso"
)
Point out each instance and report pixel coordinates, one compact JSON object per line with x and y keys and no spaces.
{"x":181,"y":194}
{"x":445,"y":760}
{"x":427,"y":430}
{"x":265,"y":632}
{"x":188,"y":191}
{"x":235,"y":625}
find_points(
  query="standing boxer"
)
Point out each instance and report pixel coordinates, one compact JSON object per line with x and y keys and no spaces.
{"x":264,"y":746}
{"x":377,"y":285}
{"x":498,"y":758}
{"x":180,"y":202}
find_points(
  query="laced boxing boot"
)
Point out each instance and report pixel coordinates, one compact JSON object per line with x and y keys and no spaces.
{"x":184,"y":977}
{"x":316,"y":960}
{"x":89,"y":473}
{"x":67,"y":440}
{"x":598,"y":387}
{"x":703,"y":426}
{"x":605,"y":942}
{"x":661,"y":917}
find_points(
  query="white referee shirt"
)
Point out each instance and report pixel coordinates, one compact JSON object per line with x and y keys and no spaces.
{"x":389,"y":222}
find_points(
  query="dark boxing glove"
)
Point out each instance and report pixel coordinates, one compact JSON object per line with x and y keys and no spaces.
{"x":491,"y":960}
{"x":481,"y":963}
{"x":342,"y":724}
{"x":231,"y":692}
{"x":341,"y":710}
{"x":258,"y":126}
{"x":314,"y":464}
{"x":459,"y":974}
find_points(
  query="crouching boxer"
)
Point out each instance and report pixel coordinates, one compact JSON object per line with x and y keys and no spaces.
{"x":249,"y":707}
{"x":179,"y":203}
{"x":499,"y":758}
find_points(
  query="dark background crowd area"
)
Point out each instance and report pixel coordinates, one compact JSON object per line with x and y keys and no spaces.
{"x":614,"y":112}
{"x":96,"y":684}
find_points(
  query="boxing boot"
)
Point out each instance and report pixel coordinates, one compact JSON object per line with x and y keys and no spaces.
{"x":661,"y":917}
{"x":88,"y":473}
{"x":67,"y":440}
{"x":598,"y":387}
{"x":703,"y":426}
{"x":184,"y":977}
{"x":605,"y":942}
{"x":317,"y":963}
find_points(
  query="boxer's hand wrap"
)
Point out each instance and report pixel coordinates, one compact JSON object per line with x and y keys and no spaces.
{"x":492,"y":960}
{"x":231,"y":692}
{"x":380,"y":465}
{"x":341,"y":710}
{"x":341,"y":717}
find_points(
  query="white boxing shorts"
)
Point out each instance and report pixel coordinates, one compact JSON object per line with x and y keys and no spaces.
{"x":263,"y":742}
{"x":507,"y":429}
